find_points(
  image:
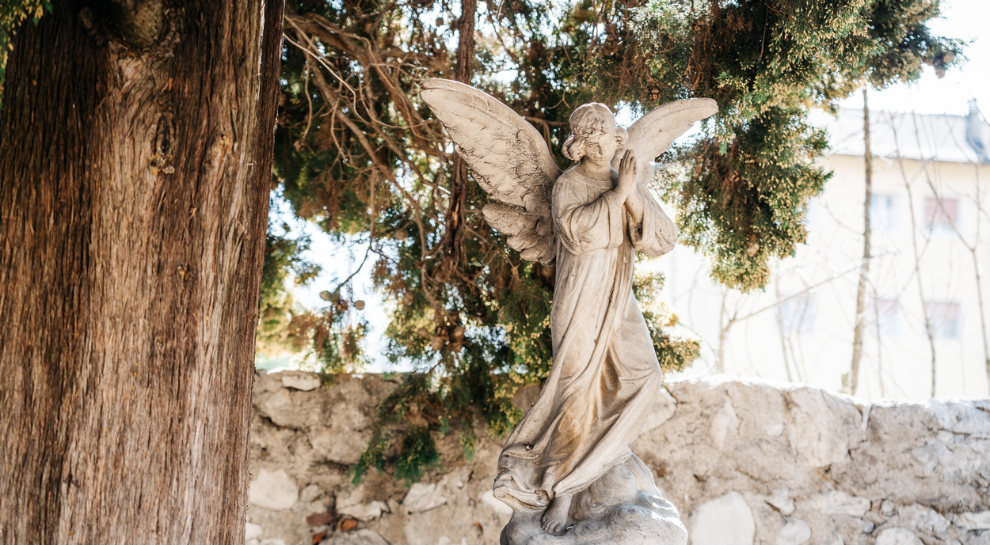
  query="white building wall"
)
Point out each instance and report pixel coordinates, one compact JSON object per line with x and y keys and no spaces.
{"x":809,"y":337}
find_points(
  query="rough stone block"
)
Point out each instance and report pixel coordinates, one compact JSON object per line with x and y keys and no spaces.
{"x":423,"y":497}
{"x":793,"y":532}
{"x":726,"y":520}
{"x":357,"y":537}
{"x":273,"y":490}
{"x":298,"y":380}
{"x":897,"y":536}
{"x":974,"y":521}
{"x":838,"y":502}
{"x":918,"y":473}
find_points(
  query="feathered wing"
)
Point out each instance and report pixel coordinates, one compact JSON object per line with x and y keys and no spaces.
{"x":509,"y":158}
{"x":653,"y":134}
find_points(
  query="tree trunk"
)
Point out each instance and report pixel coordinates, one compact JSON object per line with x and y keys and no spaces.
{"x":463,"y":69}
{"x":135,"y":166}
{"x":864,"y":271}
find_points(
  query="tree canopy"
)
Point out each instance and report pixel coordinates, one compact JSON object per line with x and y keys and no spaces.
{"x":358,"y":153}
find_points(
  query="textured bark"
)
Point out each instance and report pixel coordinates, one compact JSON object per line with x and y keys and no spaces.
{"x":463,"y":69}
{"x":864,"y":270}
{"x":133,"y":196}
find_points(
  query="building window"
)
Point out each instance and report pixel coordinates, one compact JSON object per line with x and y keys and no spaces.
{"x":941,"y":217}
{"x":945,"y":319}
{"x":884,"y":213}
{"x":797,"y":315}
{"x":888,"y":313}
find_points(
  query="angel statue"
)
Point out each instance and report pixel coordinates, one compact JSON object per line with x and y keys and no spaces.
{"x":566,"y":469}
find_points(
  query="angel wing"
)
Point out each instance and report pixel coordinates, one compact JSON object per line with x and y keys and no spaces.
{"x":653,"y":134}
{"x":509,"y":158}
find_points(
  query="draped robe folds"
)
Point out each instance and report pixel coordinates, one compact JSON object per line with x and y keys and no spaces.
{"x":605,"y":374}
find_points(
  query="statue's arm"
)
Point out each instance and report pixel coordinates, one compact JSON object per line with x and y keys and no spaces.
{"x":654,"y":233}
{"x":586,"y":227}
{"x":628,"y":186}
{"x":636,"y":207}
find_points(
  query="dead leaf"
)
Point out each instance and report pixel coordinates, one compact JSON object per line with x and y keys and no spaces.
{"x":346,"y":525}
{"x":320,"y":519}
{"x":319,"y":537}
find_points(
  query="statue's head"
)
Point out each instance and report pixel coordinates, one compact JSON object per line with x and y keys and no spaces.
{"x":594,"y":134}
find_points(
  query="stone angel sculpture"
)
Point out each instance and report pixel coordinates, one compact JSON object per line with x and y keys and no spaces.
{"x":566,"y":469}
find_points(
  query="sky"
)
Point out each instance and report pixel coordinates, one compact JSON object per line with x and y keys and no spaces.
{"x":963,"y":19}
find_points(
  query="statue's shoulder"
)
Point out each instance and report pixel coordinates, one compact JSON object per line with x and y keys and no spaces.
{"x":572,"y":182}
{"x":570,"y":175}
{"x":566,"y":181}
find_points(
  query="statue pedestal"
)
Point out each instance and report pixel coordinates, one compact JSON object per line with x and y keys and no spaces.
{"x":623,"y":507}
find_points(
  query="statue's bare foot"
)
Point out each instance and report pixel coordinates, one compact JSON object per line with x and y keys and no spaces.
{"x":555,"y":517}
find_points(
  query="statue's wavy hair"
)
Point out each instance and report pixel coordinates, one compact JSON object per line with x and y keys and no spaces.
{"x":589,"y":119}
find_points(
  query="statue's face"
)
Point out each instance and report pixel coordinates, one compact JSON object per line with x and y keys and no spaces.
{"x":600,"y":147}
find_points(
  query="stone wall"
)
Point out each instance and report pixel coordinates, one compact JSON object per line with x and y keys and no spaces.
{"x":744,"y":462}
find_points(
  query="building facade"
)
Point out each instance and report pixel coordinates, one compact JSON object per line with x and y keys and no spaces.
{"x":927,"y":290}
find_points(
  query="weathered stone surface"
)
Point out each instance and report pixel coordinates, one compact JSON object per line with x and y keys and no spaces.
{"x":974,"y":521}
{"x":724,"y":424}
{"x":251,"y":531}
{"x":726,"y":520}
{"x":422,"y":497}
{"x":299,"y":380}
{"x":926,"y":520}
{"x":663,"y":409}
{"x":887,"y":508}
{"x":897,"y":536}
{"x":822,"y":428}
{"x":363,"y":511}
{"x":358,"y":537}
{"x":426,"y":496}
{"x":273,"y":490}
{"x":283,"y":412}
{"x":793,"y":532}
{"x":892,"y":473}
{"x":838,"y":502}
{"x":781,"y":500}
{"x":310,"y":493}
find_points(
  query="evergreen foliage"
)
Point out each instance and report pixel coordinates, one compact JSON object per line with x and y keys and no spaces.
{"x":12,"y":14}
{"x":676,"y":348}
{"x":282,"y":327}
{"x":359,"y":154}
{"x":765,"y":63}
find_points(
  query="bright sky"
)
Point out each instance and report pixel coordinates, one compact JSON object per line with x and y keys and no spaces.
{"x":964,"y":19}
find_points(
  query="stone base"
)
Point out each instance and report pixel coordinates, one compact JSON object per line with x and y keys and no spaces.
{"x":623,"y":507}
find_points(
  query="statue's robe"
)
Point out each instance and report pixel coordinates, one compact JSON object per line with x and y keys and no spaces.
{"x":605,"y":375}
